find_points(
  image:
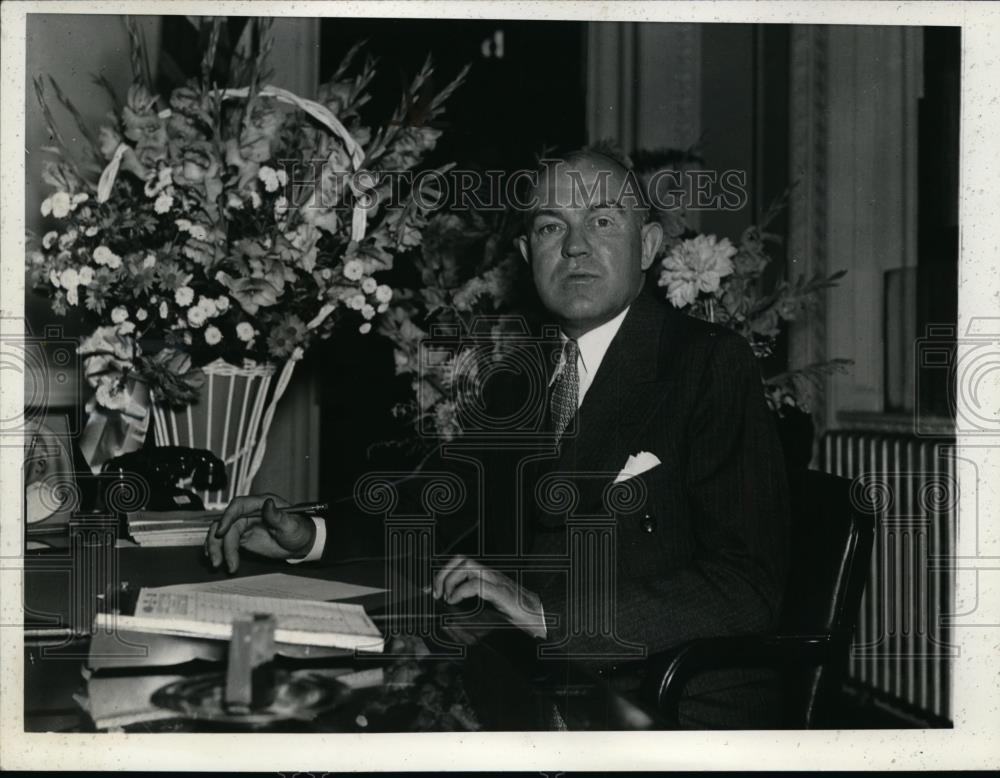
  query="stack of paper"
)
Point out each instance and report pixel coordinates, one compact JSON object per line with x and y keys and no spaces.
{"x":281,"y":585}
{"x":170,"y":528}
{"x":211,"y":615}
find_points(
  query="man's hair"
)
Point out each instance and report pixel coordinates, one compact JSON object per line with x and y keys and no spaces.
{"x":603,"y":153}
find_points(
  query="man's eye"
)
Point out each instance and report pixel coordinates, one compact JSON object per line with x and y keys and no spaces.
{"x":548,"y":229}
{"x":603,"y":222}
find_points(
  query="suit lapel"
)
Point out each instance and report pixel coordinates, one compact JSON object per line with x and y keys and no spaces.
{"x":625,"y":394}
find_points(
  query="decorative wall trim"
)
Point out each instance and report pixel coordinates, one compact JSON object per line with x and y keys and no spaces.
{"x":807,"y":239}
{"x":644,"y":84}
{"x":611,"y":82}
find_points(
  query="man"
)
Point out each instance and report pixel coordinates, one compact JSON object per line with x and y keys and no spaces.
{"x":702,"y":548}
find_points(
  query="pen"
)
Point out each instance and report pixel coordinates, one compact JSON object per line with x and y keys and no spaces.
{"x":299,"y":507}
{"x":304,"y":507}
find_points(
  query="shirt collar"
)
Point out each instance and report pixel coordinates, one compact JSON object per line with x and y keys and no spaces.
{"x":593,"y":344}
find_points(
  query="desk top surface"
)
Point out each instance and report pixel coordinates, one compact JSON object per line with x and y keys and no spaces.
{"x":489,"y":678}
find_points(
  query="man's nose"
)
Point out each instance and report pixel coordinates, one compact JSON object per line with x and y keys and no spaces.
{"x":576,"y":243}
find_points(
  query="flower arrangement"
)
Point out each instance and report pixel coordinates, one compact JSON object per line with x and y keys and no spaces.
{"x":466,"y":280}
{"x":712,"y":279}
{"x":237,"y":222}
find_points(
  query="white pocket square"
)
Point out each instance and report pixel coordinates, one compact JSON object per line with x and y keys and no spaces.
{"x":636,"y":465}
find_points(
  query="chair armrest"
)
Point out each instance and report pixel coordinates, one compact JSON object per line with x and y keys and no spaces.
{"x":668,"y":672}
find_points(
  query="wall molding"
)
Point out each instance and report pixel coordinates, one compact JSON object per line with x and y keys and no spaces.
{"x":807,"y":238}
{"x":644,"y":84}
{"x":611,"y":82}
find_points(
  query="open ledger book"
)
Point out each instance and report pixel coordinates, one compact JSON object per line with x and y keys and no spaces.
{"x":210,"y":615}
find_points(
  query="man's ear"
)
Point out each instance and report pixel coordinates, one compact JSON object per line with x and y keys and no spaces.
{"x":652,"y":236}
{"x":522,"y":246}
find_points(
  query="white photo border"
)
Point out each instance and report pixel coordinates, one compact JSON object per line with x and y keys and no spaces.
{"x":971,"y":744}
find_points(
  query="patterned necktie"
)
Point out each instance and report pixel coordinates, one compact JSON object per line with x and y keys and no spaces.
{"x":566,"y":390}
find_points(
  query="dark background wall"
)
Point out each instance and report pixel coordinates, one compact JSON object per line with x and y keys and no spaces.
{"x":525,"y":89}
{"x":525,"y":92}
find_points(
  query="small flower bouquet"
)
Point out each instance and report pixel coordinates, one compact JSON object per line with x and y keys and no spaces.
{"x":238,"y":222}
{"x":712,"y":279}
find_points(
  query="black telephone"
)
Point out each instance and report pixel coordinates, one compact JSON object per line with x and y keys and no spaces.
{"x":163,"y":468}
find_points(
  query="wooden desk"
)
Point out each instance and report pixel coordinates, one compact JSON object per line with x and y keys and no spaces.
{"x":506,"y":689}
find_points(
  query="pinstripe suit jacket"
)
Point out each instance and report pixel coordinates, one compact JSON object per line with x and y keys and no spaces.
{"x":701,"y":540}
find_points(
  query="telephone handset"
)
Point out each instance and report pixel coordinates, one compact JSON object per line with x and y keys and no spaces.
{"x":164,"y":468}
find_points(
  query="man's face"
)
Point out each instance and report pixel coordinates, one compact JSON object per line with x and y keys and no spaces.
{"x":588,"y":250}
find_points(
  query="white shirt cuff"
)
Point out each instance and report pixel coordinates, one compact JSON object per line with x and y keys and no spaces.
{"x":319,"y":542}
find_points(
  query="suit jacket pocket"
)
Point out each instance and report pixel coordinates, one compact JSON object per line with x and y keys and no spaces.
{"x":636,"y":505}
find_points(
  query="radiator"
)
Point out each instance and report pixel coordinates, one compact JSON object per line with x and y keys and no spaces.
{"x":901,"y":648}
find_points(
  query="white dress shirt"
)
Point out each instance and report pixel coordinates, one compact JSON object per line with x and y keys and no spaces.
{"x":591,"y":348}
{"x":319,"y":542}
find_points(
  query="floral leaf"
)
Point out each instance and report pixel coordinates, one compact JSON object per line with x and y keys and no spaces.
{"x":437,"y":104}
{"x":347,"y":59}
{"x":102,"y":81}
{"x":208,"y":59}
{"x":92,"y":146}
{"x":137,"y":52}
{"x":60,"y":148}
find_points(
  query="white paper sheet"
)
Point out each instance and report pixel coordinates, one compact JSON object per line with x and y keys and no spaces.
{"x":211,"y":615}
{"x":278,"y":585}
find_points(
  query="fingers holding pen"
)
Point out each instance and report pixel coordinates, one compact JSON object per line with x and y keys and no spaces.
{"x":222,"y":541}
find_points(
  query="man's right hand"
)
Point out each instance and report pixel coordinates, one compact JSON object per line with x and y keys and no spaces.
{"x":257,"y":524}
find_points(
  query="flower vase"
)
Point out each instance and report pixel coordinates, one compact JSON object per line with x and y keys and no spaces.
{"x":231,"y":419}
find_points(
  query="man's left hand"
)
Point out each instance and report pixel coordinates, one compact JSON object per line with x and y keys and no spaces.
{"x":462,"y":578}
